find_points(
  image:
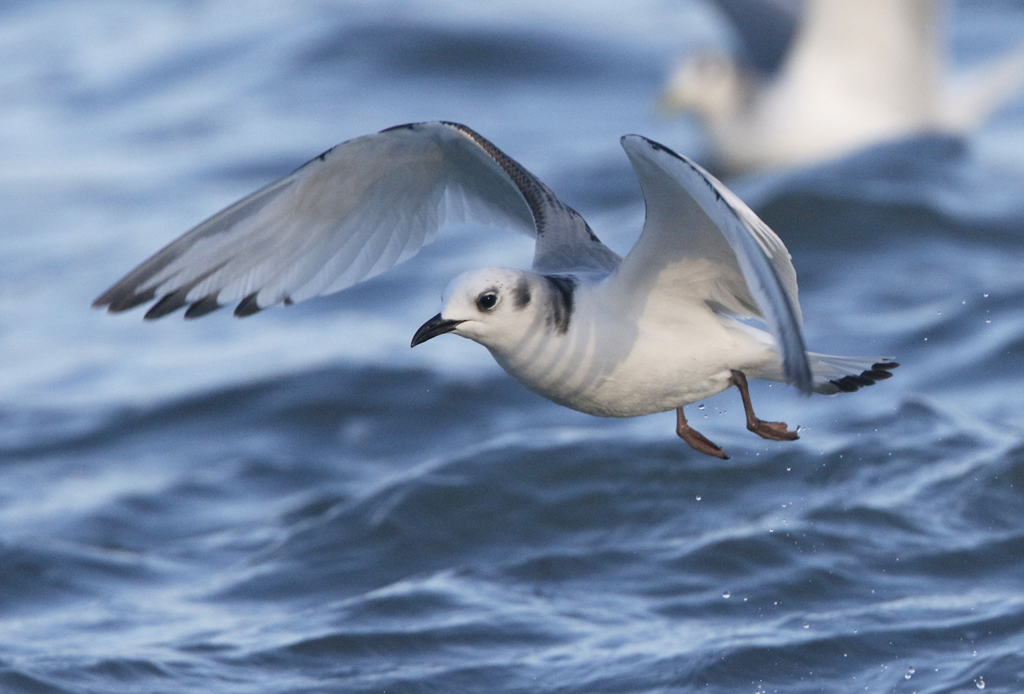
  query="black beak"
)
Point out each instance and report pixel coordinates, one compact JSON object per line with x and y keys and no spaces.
{"x":432,"y":328}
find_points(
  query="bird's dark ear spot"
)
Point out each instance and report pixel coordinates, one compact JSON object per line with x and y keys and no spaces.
{"x":521,"y":295}
{"x":487,"y":300}
{"x":562,"y":302}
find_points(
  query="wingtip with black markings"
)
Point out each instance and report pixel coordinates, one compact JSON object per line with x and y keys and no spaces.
{"x":247,"y":306}
{"x":879,"y":371}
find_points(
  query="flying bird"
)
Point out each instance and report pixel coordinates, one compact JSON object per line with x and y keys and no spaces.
{"x":812,"y":84}
{"x":664,"y":327}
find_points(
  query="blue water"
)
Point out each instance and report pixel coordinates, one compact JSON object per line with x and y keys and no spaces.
{"x":298,"y":502}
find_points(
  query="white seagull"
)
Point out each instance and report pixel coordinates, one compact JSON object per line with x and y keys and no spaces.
{"x":840,"y":75}
{"x":664,"y":327}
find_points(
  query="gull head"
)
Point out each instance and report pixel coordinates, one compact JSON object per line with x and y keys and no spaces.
{"x":707,"y":83}
{"x":493,"y":306}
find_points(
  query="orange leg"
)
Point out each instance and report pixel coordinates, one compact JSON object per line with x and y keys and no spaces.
{"x":697,"y":440}
{"x":776,"y":431}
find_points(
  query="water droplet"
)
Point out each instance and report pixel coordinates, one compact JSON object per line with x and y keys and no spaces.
{"x":980,"y":683}
{"x":910,"y":673}
{"x":698,"y":497}
{"x":985,"y":295}
{"x":700,"y":407}
{"x":988,"y":320}
{"x":789,"y":469}
{"x":726,"y":595}
{"x":964,"y":302}
{"x":806,"y":625}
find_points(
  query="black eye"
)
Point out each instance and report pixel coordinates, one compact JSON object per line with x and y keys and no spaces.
{"x":486,"y":301}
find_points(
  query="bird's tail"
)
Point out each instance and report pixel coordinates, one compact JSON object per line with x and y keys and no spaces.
{"x":834,"y":374}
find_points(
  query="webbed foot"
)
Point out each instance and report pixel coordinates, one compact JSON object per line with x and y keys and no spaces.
{"x":775,"y":431}
{"x":697,"y":440}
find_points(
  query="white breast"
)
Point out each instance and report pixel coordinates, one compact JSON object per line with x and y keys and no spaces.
{"x":624,"y":362}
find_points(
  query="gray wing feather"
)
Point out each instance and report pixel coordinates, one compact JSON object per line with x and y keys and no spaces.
{"x":347,"y":215}
{"x":699,"y":224}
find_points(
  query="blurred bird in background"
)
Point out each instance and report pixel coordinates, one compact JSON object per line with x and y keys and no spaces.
{"x":816,"y":79}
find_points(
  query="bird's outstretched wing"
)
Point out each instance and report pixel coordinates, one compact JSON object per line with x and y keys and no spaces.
{"x":765,"y":28}
{"x":701,"y":242}
{"x":868,"y":57}
{"x":351,"y":213}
